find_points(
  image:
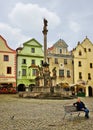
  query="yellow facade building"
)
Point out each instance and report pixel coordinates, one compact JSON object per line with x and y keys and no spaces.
{"x":83,"y":65}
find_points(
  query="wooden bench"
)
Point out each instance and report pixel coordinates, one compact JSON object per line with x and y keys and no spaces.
{"x":71,"y":109}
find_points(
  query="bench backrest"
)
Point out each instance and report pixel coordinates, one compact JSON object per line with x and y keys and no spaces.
{"x":70,"y":108}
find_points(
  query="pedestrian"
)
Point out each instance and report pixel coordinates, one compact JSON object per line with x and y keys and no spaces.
{"x":81,"y":107}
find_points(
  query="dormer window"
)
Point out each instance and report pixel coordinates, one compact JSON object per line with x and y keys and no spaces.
{"x":60,"y":51}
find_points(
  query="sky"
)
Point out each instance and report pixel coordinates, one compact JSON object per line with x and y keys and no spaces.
{"x":69,"y":20}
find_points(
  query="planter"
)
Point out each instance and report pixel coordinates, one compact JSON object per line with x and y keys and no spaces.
{"x":82,"y":94}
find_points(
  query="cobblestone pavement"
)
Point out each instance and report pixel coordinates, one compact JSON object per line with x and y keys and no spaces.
{"x":35,"y":114}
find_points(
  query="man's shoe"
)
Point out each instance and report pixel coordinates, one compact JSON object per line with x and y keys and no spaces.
{"x":87,"y":116}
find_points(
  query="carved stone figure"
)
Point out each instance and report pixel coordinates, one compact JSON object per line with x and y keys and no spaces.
{"x":45,"y":24}
{"x":54,"y":71}
{"x":40,"y":70}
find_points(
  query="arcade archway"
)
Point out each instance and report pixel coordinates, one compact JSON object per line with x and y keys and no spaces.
{"x":21,"y":87}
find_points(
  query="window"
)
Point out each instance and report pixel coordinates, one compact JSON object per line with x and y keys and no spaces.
{"x":80,"y":75}
{"x":6,"y":58}
{"x":89,"y":49}
{"x":23,"y":72}
{"x":72,"y":62}
{"x":19,"y":73}
{"x":65,"y":51}
{"x":56,"y":61}
{"x":33,"y":62}
{"x":41,"y":62}
{"x":65,"y":61}
{"x":89,"y":76}
{"x":8,"y":70}
{"x":68,"y":73}
{"x":23,"y":61}
{"x":79,"y":63}
{"x":34,"y":72}
{"x":33,"y":50}
{"x":80,"y":53}
{"x":61,"y":73}
{"x":60,"y":51}
{"x":85,"y":49}
{"x":90,"y":65}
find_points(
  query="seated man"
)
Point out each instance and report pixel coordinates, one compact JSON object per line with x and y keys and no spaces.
{"x":81,"y":107}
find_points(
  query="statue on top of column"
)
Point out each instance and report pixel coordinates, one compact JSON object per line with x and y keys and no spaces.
{"x":45,"y":24}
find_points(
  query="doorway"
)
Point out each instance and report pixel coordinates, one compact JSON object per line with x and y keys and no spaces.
{"x":21,"y":87}
{"x":90,"y":91}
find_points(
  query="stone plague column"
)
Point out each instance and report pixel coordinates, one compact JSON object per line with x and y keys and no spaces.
{"x":45,"y":40}
{"x":46,"y":72}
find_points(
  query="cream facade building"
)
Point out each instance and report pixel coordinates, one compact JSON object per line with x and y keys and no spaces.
{"x":83,"y":65}
{"x":59,"y":58}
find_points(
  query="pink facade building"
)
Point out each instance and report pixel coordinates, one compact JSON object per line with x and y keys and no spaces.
{"x":7,"y":65}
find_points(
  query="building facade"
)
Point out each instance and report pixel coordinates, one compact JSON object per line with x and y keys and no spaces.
{"x":29,"y":57}
{"x":59,"y":57}
{"x":83,"y":65}
{"x":19,"y":68}
{"x":7,"y":65}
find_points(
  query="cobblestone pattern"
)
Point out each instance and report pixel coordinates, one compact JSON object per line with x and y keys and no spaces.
{"x":34,"y":114}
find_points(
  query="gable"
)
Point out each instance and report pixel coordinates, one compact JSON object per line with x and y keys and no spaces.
{"x":84,"y":46}
{"x":87,"y":43}
{"x":60,"y":44}
{"x":3,"y":45}
{"x":29,"y":46}
{"x":33,"y":43}
{"x":79,"y":51}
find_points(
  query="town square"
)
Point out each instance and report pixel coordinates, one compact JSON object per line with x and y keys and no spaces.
{"x":46,"y":65}
{"x":41,"y":114}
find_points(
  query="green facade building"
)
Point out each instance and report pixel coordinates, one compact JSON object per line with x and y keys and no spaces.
{"x":29,"y":57}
